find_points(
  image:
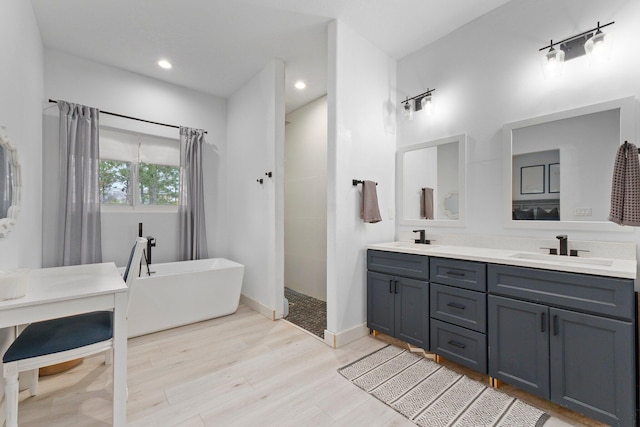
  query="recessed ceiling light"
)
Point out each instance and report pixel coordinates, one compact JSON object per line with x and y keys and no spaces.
{"x":163,"y":63}
{"x":300,"y":85}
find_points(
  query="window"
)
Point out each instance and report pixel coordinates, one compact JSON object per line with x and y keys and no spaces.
{"x":115,"y":182}
{"x":138,"y":170}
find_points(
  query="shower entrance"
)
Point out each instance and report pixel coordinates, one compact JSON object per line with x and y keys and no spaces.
{"x":307,"y":312}
{"x":305,"y":217}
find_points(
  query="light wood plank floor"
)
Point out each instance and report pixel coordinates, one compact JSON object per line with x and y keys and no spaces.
{"x":238,"y":370}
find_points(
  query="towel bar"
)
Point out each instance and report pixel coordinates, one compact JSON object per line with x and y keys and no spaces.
{"x":358,"y":181}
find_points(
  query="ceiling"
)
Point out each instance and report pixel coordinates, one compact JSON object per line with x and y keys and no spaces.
{"x":217,"y":45}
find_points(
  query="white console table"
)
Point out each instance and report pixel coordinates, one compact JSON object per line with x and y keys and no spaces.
{"x":65,"y":291}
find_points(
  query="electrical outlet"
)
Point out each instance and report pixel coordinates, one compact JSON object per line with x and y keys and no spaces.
{"x":391,"y":213}
{"x":583,"y":212}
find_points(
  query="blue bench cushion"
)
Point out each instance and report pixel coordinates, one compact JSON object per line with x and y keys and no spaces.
{"x":56,"y":335}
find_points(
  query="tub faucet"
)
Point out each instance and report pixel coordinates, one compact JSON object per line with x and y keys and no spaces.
{"x":151,"y":243}
{"x":564,"y":243}
{"x":422,"y":238}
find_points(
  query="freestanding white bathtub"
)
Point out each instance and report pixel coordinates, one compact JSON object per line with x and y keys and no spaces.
{"x":179,"y":293}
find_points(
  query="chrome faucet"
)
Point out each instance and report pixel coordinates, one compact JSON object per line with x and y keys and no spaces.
{"x":422,"y":238}
{"x":564,"y":244}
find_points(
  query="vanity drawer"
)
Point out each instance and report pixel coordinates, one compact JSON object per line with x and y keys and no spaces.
{"x":460,"y":345}
{"x":400,"y":264}
{"x":459,"y":306}
{"x":607,"y":296}
{"x":463,"y":274}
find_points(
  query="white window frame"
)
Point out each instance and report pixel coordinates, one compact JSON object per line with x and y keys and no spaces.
{"x":136,"y":206}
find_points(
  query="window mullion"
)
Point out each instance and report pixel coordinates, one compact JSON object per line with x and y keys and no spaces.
{"x":135,"y":191}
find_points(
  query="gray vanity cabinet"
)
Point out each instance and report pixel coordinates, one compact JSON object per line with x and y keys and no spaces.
{"x":398,"y":303}
{"x":458,"y":311}
{"x":566,"y":337}
{"x":593,"y":365}
{"x":519,"y":344}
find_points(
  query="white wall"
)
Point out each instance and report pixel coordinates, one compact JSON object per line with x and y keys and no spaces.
{"x":255,"y":212}
{"x":21,"y":91}
{"x":110,"y":89}
{"x":361,"y":145}
{"x":488,"y":73}
{"x":305,"y":214}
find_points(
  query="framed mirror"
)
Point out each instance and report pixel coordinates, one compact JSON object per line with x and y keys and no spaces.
{"x":558,"y":168}
{"x":431,"y":182}
{"x":9,"y":184}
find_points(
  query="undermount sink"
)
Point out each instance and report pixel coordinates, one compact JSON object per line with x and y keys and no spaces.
{"x":564,"y":259}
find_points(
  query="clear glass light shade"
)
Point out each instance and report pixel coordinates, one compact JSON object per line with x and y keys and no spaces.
{"x":553,"y":63}
{"x":598,"y":47}
{"x":407,"y":110}
{"x":427,"y":105}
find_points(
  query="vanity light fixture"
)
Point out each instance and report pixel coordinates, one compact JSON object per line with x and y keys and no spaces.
{"x":407,"y":109}
{"x":552,"y":62}
{"x":427,"y":104}
{"x":591,"y":42}
{"x":424,"y":101}
{"x":598,"y":47}
{"x":163,"y":63}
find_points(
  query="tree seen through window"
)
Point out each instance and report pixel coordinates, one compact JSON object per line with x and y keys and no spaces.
{"x":158,"y":184}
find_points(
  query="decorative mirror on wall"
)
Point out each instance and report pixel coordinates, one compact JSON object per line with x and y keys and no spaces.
{"x":431,"y":182}
{"x":559,"y":167}
{"x":9,"y":184}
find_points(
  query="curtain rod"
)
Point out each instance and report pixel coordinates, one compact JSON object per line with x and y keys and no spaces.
{"x":133,"y":118}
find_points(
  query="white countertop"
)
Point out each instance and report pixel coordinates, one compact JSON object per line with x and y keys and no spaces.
{"x":67,"y":283}
{"x":623,"y":268}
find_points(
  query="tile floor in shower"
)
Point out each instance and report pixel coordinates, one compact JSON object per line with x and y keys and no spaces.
{"x":307,"y":312}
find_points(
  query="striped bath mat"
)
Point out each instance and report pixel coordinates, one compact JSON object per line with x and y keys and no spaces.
{"x":432,"y":395}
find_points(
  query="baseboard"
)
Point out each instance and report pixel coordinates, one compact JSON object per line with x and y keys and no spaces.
{"x":345,"y":337}
{"x":267,"y":312}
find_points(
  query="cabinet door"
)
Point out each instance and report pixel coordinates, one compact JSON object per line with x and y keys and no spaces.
{"x":592,"y":366}
{"x":412,"y":311}
{"x":519,"y":344}
{"x":380,"y":302}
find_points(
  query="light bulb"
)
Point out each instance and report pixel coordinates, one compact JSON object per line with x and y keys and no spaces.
{"x":427,"y":104}
{"x":598,"y":47}
{"x":407,"y":110}
{"x":552,"y":63}
{"x":300,"y":85}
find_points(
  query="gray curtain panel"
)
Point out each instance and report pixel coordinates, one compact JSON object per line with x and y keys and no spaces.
{"x":79,"y":209}
{"x":193,"y":233}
